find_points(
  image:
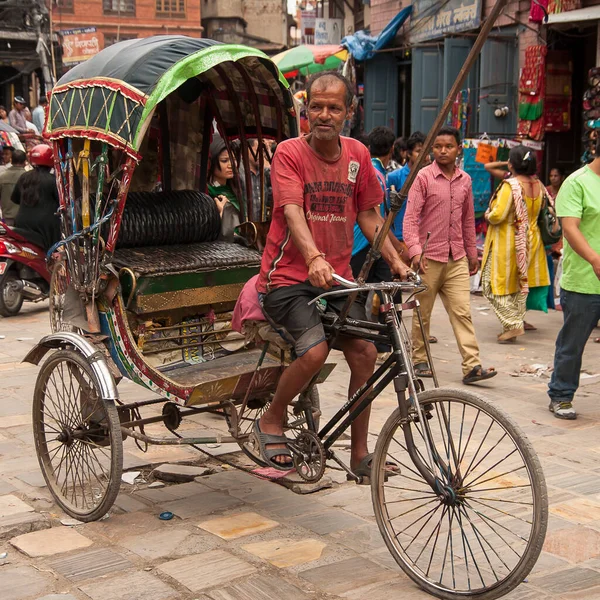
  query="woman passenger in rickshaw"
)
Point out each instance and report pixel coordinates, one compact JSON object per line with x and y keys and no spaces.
{"x":220,"y":176}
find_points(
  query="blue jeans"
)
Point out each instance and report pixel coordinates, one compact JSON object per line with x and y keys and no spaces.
{"x":581,"y":313}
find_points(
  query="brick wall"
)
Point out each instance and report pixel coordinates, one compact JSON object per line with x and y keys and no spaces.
{"x":382,"y":12}
{"x":145,"y":22}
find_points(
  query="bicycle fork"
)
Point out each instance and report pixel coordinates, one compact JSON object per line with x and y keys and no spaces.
{"x":406,"y":381}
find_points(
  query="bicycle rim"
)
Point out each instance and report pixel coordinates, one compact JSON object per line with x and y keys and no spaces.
{"x":483,"y":530}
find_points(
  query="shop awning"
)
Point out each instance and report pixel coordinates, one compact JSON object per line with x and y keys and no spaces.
{"x":592,"y":13}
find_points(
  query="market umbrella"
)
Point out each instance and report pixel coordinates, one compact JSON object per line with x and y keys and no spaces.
{"x":309,"y":59}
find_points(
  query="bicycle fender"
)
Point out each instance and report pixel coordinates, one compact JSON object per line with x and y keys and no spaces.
{"x":94,"y":356}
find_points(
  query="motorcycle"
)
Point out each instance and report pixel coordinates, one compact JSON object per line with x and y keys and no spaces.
{"x":24,"y":275}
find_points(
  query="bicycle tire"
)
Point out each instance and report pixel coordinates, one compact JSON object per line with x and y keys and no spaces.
{"x":533,"y":468}
{"x":77,"y":404}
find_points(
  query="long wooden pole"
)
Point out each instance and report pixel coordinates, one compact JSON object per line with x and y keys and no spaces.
{"x":400,"y":198}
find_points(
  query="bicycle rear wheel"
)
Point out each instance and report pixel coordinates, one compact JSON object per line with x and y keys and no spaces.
{"x":481,"y":533}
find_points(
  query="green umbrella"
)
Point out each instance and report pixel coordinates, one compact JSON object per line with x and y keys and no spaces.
{"x":310,"y":58}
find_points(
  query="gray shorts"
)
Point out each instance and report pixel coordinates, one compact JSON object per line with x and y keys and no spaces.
{"x":299,"y":323}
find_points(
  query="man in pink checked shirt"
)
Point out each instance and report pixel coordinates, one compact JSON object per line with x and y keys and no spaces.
{"x":440,"y":201}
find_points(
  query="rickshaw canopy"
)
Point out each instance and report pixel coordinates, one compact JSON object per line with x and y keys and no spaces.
{"x":111,"y":96}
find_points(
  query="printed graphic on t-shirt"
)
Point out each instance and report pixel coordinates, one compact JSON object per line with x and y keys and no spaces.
{"x":327,"y":201}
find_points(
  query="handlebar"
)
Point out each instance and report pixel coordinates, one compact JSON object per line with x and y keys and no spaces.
{"x":414,"y":284}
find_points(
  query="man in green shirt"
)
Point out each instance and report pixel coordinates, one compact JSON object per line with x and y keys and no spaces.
{"x":578,"y":205}
{"x":8,"y":180}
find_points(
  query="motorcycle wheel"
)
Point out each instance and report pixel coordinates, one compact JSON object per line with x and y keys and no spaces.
{"x":10,"y":299}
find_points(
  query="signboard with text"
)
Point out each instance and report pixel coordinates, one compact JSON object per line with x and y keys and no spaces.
{"x":80,"y":44}
{"x":307,"y":25}
{"x":433,"y":19}
{"x":328,"y":31}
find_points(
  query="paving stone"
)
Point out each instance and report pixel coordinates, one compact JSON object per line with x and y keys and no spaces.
{"x":287,"y":553}
{"x":228,"y":480}
{"x":33,"y":478}
{"x":291,"y":505}
{"x":22,"y":523}
{"x":361,"y":539}
{"x":15,"y":420}
{"x":203,"y":504}
{"x":11,"y":505}
{"x":238,"y":525}
{"x":344,"y":576}
{"x":6,"y":488}
{"x":156,"y":544}
{"x":87,"y":565}
{"x":206,"y":570}
{"x":260,"y":588}
{"x":179,"y":473}
{"x":50,"y":541}
{"x":578,"y":510}
{"x":329,"y":521}
{"x":173,"y":492}
{"x":58,"y":597}
{"x":129,"y":503}
{"x":569,"y":580}
{"x":575,"y":544}
{"x":22,"y":582}
{"x":130,"y":586}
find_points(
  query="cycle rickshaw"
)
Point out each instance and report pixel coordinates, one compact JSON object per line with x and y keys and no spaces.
{"x":143,"y":289}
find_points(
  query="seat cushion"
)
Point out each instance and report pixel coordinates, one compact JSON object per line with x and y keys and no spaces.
{"x":186,"y":258}
{"x":165,"y":218}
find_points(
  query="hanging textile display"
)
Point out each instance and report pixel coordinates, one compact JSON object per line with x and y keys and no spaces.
{"x":538,"y":11}
{"x":531,"y":93}
{"x":557,"y":102}
{"x":591,"y":115}
{"x":460,"y":113}
{"x":560,"y":6}
{"x":481,"y":180}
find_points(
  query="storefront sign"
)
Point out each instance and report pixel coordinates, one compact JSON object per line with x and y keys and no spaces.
{"x":328,"y":31}
{"x":80,"y":44}
{"x":307,"y":25}
{"x":433,"y":19}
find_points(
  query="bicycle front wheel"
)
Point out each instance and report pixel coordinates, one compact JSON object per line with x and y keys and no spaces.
{"x":481,"y":532}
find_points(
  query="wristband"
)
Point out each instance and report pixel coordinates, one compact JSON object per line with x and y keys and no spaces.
{"x":313,"y":258}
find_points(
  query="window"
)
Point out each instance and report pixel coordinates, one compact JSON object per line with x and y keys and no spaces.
{"x":62,"y":6}
{"x":170,"y":8}
{"x":118,"y":7}
{"x":111,"y":38}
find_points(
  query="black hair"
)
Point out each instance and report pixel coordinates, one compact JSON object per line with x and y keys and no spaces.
{"x":399,"y":147}
{"x":2,"y":107}
{"x":31,"y":183}
{"x":217,"y":146}
{"x":560,"y":171}
{"x":523,"y":160}
{"x":43,"y":100}
{"x":19,"y":157}
{"x":363,"y":138}
{"x":447,"y":130}
{"x":7,"y":147}
{"x":414,"y":140}
{"x":349,"y":96}
{"x":381,"y":141}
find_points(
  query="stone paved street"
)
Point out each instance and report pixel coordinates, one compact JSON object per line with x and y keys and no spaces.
{"x":235,"y":537}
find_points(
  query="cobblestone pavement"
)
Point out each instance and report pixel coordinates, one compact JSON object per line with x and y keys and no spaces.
{"x":235,"y":537}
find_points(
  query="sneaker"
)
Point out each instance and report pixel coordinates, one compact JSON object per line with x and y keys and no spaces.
{"x":563,"y":410}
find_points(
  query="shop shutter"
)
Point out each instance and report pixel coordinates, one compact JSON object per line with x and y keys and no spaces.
{"x":381,"y":92}
{"x":427,"y":86}
{"x":499,"y":81}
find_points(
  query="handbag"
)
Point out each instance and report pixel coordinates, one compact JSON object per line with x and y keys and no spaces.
{"x":548,"y":222}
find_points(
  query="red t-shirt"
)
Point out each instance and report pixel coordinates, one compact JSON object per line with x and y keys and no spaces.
{"x":332,"y":194}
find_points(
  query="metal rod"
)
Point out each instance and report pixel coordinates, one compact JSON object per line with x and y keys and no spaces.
{"x":219,"y":439}
{"x":188,"y":324}
{"x":190,"y":335}
{"x":375,"y":250}
{"x":193,"y":345}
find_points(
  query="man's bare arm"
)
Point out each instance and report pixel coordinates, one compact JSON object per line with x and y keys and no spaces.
{"x":578,"y":242}
{"x":319,"y":270}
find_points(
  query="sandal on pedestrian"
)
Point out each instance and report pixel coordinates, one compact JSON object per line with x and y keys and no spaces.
{"x":363,"y":470}
{"x":433,"y":339}
{"x":478,"y":373}
{"x":511,"y":335}
{"x":423,"y":370}
{"x":528,"y":326}
{"x":268,"y":454}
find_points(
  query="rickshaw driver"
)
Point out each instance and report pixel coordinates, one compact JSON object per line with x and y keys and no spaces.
{"x":322,"y":184}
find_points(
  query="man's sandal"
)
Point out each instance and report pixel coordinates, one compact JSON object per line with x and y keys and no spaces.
{"x":433,"y":339}
{"x":478,"y":373}
{"x":363,"y":470}
{"x":423,"y":370}
{"x":268,"y":454}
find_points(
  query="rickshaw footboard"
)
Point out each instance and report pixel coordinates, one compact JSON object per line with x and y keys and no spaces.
{"x":178,"y":441}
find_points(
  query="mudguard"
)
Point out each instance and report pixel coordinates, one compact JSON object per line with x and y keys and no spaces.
{"x":95,"y":358}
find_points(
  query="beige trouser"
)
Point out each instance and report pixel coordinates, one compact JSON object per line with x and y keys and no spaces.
{"x":451,"y":281}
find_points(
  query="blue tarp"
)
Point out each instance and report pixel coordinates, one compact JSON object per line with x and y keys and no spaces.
{"x":363,"y":46}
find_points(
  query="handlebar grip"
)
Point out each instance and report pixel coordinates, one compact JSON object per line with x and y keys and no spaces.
{"x":344,"y":282}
